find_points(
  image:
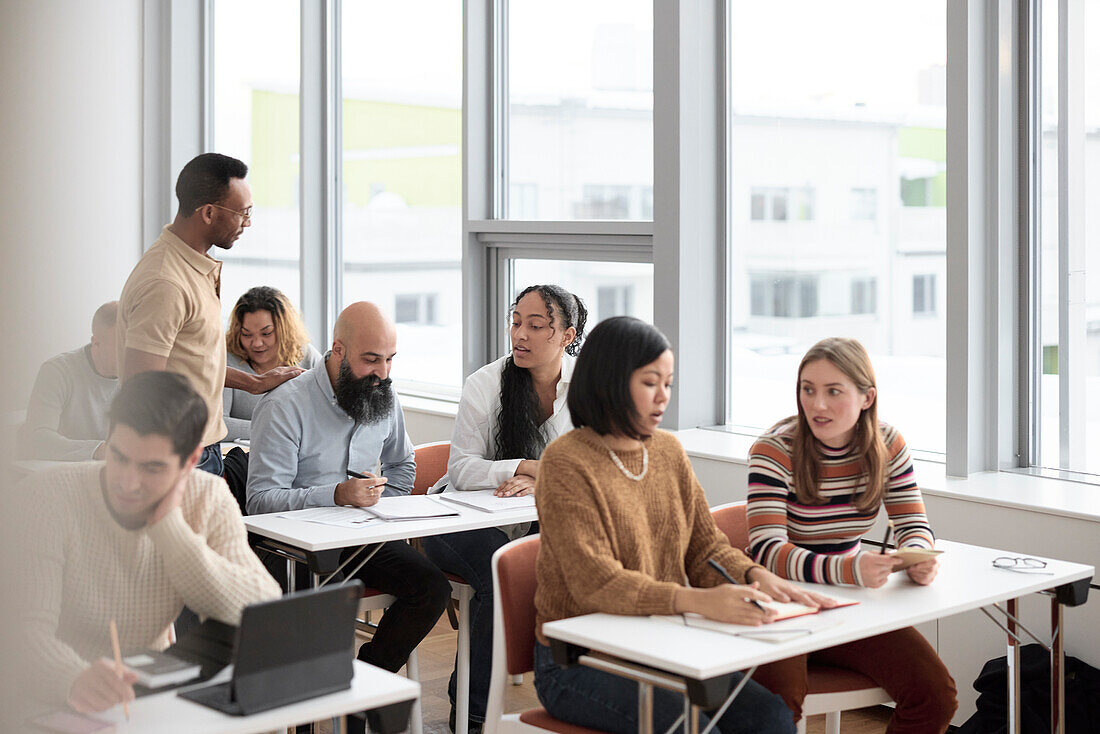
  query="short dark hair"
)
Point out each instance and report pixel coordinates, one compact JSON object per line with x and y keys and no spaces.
{"x":599,"y":395}
{"x":205,"y":180}
{"x":161,"y":403}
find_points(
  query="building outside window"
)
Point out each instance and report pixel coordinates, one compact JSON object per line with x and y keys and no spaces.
{"x":924,"y":295}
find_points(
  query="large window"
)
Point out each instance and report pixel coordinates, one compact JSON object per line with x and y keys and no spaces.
{"x":1066,"y":276}
{"x":837,"y":195}
{"x":256,"y":69}
{"x":402,"y":176}
{"x":607,"y":288}
{"x":580,"y":110}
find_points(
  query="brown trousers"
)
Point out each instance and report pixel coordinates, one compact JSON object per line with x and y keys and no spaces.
{"x":902,"y":663}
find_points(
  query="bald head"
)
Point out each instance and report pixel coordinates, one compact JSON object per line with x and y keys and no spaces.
{"x":366,"y":338}
{"x":105,"y":339}
{"x":105,"y":317}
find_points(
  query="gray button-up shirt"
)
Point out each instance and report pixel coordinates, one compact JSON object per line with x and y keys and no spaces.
{"x":303,"y":443}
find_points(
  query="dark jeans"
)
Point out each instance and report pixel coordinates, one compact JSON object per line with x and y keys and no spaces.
{"x":421,"y":590}
{"x":586,"y":697}
{"x":211,"y":459}
{"x":470,"y":555}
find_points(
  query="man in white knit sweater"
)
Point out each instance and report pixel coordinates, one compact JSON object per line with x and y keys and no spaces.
{"x":133,"y":539}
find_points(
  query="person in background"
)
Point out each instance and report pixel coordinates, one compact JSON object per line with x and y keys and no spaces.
{"x":170,"y":310}
{"x":509,"y":411}
{"x":132,"y":539}
{"x":626,"y":529}
{"x":265,"y":331}
{"x":67,"y":412}
{"x":816,"y":483}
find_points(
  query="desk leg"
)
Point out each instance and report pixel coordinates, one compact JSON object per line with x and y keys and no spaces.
{"x":291,"y":576}
{"x":1057,"y":669}
{"x":645,"y":708}
{"x":1013,"y":660}
{"x":691,"y":716}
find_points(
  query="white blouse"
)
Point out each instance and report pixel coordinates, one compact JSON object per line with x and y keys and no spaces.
{"x":476,"y":424}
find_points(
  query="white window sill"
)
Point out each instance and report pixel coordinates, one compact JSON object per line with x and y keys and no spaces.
{"x":431,"y":406}
{"x":1005,"y":489}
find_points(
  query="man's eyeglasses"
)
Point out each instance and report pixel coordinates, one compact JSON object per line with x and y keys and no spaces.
{"x":1022,"y":565}
{"x":245,"y":214}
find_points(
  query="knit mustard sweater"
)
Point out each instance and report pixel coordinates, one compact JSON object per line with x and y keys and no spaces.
{"x":615,"y":545}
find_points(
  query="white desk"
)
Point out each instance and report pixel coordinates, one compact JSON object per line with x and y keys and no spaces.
{"x":313,"y":537}
{"x":705,"y":659}
{"x":372,"y":689}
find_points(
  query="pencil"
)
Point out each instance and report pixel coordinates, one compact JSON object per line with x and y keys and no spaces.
{"x":118,"y":663}
{"x":886,"y":537}
{"x":726,"y":575}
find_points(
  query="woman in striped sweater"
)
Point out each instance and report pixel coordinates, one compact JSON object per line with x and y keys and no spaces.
{"x":816,"y":482}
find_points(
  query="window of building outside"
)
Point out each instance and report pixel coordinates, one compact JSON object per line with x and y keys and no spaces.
{"x":864,"y":295}
{"x":842,"y":140}
{"x":1067,"y":270}
{"x":579,"y":109}
{"x":924,"y":295}
{"x":401,"y":71}
{"x":864,"y":206}
{"x":255,"y":118}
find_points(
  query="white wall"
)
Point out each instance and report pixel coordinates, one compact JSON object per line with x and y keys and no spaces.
{"x":70,"y":190}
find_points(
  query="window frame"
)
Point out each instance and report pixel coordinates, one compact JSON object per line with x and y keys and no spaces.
{"x":992,"y":268}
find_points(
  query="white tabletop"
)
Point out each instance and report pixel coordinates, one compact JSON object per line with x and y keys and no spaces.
{"x":311,"y":536}
{"x":166,"y":713}
{"x":967,"y":580}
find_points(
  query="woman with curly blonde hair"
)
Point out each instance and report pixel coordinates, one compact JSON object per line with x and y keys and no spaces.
{"x":265,"y":332}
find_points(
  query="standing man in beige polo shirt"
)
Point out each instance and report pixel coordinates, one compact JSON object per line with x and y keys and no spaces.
{"x":169,"y":315}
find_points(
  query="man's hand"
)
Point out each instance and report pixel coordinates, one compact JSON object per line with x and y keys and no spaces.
{"x":922,"y":573}
{"x":172,"y":500}
{"x":99,"y":688}
{"x":875,"y":568}
{"x":273,"y":378}
{"x":725,"y":603}
{"x":784,"y":591}
{"x":518,"y":486}
{"x":359,"y":492}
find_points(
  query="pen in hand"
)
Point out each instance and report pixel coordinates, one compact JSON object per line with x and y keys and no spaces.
{"x":886,"y":537}
{"x":726,"y":575}
{"x":118,"y":663}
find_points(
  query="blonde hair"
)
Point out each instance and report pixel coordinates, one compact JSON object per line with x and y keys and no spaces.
{"x":291,"y":336}
{"x":848,"y":356}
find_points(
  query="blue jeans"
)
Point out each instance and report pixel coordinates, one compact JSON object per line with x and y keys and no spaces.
{"x":586,"y":697}
{"x":211,"y":459}
{"x":470,"y":555}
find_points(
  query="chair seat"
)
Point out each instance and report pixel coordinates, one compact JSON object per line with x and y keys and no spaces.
{"x":455,"y":578}
{"x":369,"y":592}
{"x":543,"y":720}
{"x":827,"y":679}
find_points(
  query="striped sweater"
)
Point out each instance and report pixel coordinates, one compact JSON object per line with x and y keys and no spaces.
{"x":821,"y":543}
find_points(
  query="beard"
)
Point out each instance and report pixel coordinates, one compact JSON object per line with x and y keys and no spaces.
{"x":366,"y":399}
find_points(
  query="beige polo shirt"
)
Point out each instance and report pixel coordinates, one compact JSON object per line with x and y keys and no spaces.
{"x":171,"y":307}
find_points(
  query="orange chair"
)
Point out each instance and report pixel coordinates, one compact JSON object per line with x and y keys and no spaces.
{"x":514,"y":640}
{"x":830,"y":690}
{"x":431,"y":465}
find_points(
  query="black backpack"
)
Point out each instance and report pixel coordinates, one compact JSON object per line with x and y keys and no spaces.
{"x":1082,"y":695}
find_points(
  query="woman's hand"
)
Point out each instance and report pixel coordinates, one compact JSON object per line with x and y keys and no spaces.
{"x":520,"y":485}
{"x":784,"y":591}
{"x":725,"y":603}
{"x":875,"y":568}
{"x":922,"y":573}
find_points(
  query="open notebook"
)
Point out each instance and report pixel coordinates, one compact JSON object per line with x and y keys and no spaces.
{"x":793,"y":620}
{"x":913,"y":556}
{"x":410,"y":507}
{"x":486,"y":501}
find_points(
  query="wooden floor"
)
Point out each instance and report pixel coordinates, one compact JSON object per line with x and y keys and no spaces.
{"x":437,"y":653}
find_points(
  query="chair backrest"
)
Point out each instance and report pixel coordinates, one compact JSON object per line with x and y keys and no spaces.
{"x":514,"y":578}
{"x":431,"y":464}
{"x":732,"y":519}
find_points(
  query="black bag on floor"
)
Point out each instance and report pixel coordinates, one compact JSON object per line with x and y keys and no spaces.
{"x":1082,"y":695}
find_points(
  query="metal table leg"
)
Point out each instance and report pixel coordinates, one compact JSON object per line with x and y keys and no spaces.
{"x":1013,"y":660}
{"x":1057,"y":669}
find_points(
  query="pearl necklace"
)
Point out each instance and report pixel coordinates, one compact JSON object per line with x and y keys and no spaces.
{"x":627,"y":472}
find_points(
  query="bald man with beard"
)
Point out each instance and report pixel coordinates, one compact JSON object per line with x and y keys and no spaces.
{"x":341,"y":415}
